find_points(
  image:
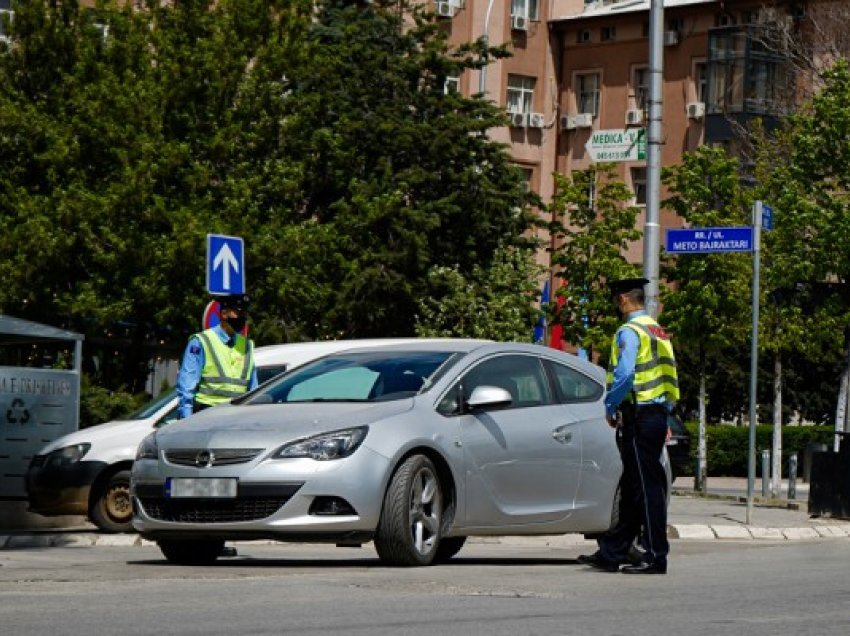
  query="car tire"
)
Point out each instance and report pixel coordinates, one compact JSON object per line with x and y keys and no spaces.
{"x":448,"y":548}
{"x":111,"y":509}
{"x":409,"y":528}
{"x":191,"y":551}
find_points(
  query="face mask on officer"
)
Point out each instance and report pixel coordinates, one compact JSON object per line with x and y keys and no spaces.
{"x":238,"y":322}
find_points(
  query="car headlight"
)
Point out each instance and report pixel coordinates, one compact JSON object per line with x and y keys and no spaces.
{"x":66,"y":456}
{"x":326,"y":446}
{"x":148,"y":448}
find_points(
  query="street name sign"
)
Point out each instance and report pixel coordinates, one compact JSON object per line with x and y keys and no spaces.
{"x":225,"y":264}
{"x":708,"y":240}
{"x":627,"y":144}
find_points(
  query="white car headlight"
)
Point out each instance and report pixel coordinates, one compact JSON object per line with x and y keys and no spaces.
{"x":326,"y":446}
{"x":148,"y":448}
{"x":66,"y":456}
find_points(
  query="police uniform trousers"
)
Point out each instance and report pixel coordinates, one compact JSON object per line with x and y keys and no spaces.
{"x":643,"y":489}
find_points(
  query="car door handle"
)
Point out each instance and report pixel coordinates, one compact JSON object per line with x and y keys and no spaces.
{"x":562,"y":435}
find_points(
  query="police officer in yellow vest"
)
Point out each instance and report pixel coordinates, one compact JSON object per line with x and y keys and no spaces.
{"x":642,"y":389}
{"x":218,"y":364}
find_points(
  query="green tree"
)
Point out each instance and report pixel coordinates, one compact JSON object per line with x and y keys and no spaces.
{"x":496,"y":302}
{"x":592,"y":227}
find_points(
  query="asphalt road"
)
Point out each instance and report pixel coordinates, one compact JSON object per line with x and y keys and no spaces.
{"x":750,"y":588}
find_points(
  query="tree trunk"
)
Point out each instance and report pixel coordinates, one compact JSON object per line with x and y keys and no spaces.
{"x":776,"y":452}
{"x":700,"y":482}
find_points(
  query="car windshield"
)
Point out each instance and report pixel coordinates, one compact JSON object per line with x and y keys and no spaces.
{"x":357,"y":377}
{"x":153,"y":406}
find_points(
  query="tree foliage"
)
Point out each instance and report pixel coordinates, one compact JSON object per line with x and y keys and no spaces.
{"x":320,"y":132}
{"x":593,"y":226}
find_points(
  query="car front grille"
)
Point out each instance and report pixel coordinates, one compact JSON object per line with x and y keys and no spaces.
{"x":253,"y":502}
{"x":219,"y":456}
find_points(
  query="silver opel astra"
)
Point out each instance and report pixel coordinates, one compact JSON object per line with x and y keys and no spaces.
{"x":412,"y":446}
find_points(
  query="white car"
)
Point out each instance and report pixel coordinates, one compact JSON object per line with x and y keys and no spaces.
{"x":88,"y":472}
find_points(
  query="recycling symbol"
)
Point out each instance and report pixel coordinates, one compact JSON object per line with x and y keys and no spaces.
{"x":17,"y":413}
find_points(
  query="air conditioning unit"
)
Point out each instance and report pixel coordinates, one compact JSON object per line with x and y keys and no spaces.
{"x":446,"y":9}
{"x":634,"y":117}
{"x":519,"y":120}
{"x":536,"y":120}
{"x":568,"y":122}
{"x":519,"y":23}
{"x":584,"y":120}
{"x":696,"y":110}
{"x":671,"y":38}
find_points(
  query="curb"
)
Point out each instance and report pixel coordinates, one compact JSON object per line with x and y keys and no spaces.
{"x":683,"y":531}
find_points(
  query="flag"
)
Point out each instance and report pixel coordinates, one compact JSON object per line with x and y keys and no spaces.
{"x":539,"y":333}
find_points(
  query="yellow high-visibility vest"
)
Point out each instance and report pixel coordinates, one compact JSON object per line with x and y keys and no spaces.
{"x":655,"y":364}
{"x":227,"y":370}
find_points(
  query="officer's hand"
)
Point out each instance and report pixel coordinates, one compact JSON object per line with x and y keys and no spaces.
{"x":669,"y":434}
{"x":611,"y":421}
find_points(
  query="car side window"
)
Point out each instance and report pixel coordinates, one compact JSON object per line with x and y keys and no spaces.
{"x":573,"y":385}
{"x":521,"y":376}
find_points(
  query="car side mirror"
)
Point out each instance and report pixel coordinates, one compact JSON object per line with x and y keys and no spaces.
{"x":488,"y":397}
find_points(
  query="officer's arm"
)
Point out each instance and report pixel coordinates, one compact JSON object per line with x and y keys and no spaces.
{"x":189,"y":377}
{"x":624,"y":372}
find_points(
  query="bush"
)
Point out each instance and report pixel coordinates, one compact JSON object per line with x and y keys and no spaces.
{"x":99,"y":405}
{"x":728,"y":446}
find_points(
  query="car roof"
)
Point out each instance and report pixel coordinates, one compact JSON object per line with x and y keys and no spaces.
{"x":295,"y":353}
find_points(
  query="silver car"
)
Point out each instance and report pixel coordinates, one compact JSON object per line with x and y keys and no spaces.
{"x":413,"y":446}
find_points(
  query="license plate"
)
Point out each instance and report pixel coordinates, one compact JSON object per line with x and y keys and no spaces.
{"x":177,"y":487}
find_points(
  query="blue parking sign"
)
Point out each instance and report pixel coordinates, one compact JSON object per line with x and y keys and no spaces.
{"x":225,"y":264}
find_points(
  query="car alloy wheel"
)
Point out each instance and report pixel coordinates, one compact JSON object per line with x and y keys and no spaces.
{"x":409,"y":529}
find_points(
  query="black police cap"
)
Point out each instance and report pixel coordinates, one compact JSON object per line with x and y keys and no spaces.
{"x":626,"y":285}
{"x":239,"y":302}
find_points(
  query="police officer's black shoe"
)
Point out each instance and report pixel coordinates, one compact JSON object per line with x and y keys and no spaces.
{"x":645,"y":568}
{"x":596,"y":561}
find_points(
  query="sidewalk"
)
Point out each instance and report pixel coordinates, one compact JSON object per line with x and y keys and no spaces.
{"x":720,"y":514}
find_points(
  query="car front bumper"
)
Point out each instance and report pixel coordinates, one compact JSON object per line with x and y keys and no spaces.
{"x":274,"y":500}
{"x":62,"y":490}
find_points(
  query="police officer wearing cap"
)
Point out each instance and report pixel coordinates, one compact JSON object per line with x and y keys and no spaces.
{"x":642,"y":389}
{"x":218,"y":363}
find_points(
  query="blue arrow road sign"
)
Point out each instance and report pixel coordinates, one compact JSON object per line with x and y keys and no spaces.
{"x":225,"y":264}
{"x":707,"y":240}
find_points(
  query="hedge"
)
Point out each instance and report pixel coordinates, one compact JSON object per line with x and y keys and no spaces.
{"x":727,"y":446}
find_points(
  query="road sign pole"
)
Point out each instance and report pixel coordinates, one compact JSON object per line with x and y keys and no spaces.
{"x":754,"y":359}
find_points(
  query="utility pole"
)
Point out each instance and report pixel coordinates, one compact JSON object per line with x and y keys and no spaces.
{"x":652,"y":228}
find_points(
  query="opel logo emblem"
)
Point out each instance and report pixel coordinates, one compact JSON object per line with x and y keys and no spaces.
{"x":204,"y":459}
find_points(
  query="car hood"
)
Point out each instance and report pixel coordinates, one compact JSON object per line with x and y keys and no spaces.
{"x":121,"y":429}
{"x":262,"y":425}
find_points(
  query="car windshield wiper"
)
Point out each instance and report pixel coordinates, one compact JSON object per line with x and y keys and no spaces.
{"x":318,"y":399}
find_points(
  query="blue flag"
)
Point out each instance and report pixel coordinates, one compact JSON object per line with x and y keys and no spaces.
{"x":540,"y":328}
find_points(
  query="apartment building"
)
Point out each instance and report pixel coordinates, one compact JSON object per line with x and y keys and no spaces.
{"x":579,"y":67}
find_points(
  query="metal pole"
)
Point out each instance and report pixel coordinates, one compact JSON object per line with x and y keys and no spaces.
{"x":482,"y":74}
{"x":651,"y":241}
{"x":754,"y":359}
{"x":765,"y":473}
{"x":792,"y":476}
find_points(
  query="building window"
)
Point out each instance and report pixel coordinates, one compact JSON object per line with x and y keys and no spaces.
{"x":6,"y":16}
{"x":452,"y":84}
{"x":526,"y":8}
{"x":583,"y":36}
{"x":639,"y":185}
{"x":608,"y":33}
{"x":587,"y":93}
{"x":527,"y":178}
{"x":700,"y":81}
{"x":640,"y":83}
{"x":520,"y":93}
{"x":742,"y":75}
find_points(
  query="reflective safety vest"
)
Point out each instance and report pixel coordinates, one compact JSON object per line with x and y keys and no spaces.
{"x":227,"y":370}
{"x":655,"y":364}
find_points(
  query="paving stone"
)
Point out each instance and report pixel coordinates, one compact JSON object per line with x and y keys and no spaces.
{"x":689,"y":531}
{"x":800,"y":533}
{"x":119,"y":540}
{"x":766,"y":533}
